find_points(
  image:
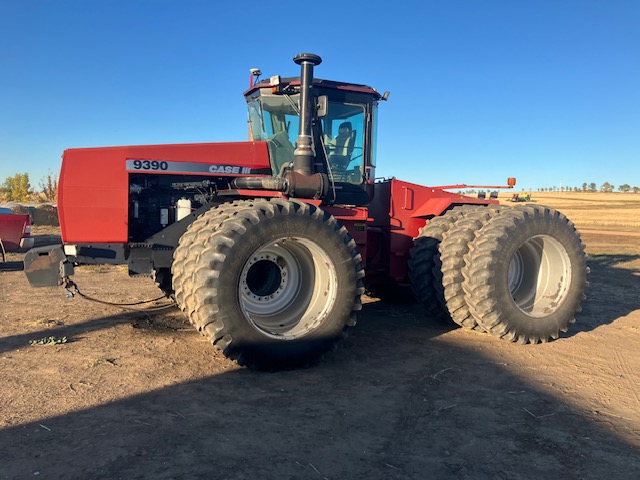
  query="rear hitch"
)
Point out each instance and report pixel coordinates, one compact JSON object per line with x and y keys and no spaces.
{"x":70,"y":287}
{"x":47,"y":266}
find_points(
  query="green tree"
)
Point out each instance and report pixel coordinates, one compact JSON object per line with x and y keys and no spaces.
{"x":606,"y":187}
{"x":592,"y":187}
{"x":16,"y":188}
{"x":625,"y":187}
{"x":636,"y":189}
{"x":584,"y":187}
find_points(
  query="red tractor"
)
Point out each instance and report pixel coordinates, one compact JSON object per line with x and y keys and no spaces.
{"x":264,"y":244}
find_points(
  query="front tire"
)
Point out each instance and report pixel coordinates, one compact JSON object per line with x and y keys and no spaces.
{"x":275,"y":285}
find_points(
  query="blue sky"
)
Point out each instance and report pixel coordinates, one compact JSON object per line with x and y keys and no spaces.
{"x":546,"y":90}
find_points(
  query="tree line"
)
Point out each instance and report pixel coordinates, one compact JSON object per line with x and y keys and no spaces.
{"x":17,"y":188}
{"x":592,"y":187}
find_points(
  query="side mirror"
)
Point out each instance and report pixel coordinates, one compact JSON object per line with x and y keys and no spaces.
{"x":321,"y":107}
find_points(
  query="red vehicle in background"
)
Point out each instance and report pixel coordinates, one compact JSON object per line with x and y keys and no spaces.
{"x":15,"y":231}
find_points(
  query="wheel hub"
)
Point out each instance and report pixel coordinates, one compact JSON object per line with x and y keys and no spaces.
{"x":266,"y":277}
{"x":539,"y":276}
{"x":287,"y":287}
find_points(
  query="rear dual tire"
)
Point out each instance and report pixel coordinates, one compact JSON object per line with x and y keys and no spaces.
{"x":425,"y":277}
{"x":452,"y":249}
{"x":525,"y":275}
{"x":519,"y":273}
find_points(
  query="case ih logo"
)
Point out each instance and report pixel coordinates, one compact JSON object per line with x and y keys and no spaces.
{"x":162,"y":166}
{"x":229,"y":169}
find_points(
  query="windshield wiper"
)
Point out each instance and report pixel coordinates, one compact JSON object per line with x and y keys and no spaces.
{"x":295,"y":107}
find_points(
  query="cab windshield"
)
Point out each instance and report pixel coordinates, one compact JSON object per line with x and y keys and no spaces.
{"x":275,"y":119}
{"x":269,"y":116}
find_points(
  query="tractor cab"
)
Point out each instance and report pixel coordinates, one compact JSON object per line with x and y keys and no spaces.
{"x":343,"y":118}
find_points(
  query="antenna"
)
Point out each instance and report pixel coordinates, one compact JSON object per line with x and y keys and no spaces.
{"x":255,"y":76}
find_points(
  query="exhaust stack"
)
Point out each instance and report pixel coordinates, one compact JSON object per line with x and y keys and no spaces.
{"x":300,"y":182}
{"x":304,"y":155}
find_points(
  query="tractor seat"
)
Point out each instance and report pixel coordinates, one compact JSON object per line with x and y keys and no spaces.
{"x":342,"y":148}
{"x":344,"y":143}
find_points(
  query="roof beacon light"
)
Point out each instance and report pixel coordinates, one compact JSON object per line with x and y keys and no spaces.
{"x":275,"y":83}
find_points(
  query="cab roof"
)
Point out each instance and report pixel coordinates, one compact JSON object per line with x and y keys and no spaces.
{"x":319,"y":83}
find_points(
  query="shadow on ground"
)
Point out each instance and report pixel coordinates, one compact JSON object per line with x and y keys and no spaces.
{"x":11,"y":266}
{"x":393,"y":402}
{"x":612,"y":292}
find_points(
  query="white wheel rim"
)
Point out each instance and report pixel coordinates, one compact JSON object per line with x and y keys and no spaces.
{"x":539,"y":276}
{"x":287,"y":287}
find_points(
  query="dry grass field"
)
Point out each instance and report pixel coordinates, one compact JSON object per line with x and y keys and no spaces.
{"x":592,"y":211}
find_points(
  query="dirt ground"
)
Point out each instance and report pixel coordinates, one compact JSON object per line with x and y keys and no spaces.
{"x":141,"y":395}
